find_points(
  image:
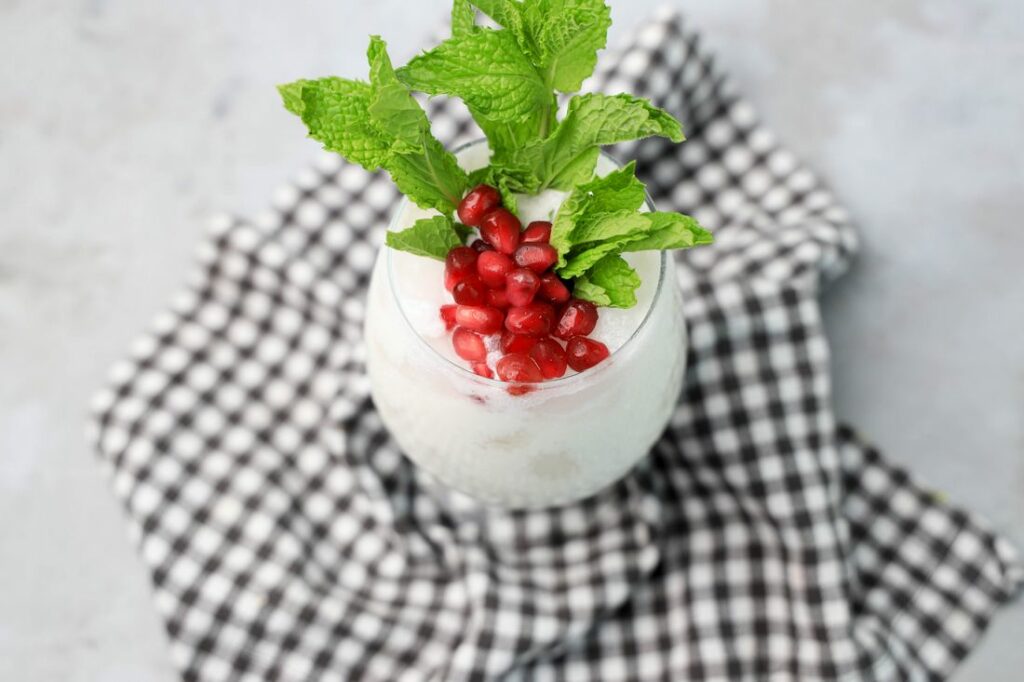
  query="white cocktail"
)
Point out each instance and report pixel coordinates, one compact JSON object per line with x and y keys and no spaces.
{"x":563,"y":440}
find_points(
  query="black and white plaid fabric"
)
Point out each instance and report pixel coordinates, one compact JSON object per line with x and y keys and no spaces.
{"x":289,"y":539}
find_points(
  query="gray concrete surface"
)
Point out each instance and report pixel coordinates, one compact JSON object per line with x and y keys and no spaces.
{"x":123,"y":124}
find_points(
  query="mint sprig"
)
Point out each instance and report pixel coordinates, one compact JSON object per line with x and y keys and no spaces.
{"x":379,"y":125}
{"x":599,"y":221}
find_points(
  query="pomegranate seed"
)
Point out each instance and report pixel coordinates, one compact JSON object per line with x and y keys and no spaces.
{"x":500,"y":229}
{"x":584,"y":353}
{"x":537,"y":257}
{"x":533,"y":320}
{"x":519,"y":368}
{"x":477,"y":204}
{"x":448,"y":316}
{"x":537,"y":232}
{"x":479,"y":245}
{"x":470,"y":291}
{"x":458,"y":265}
{"x":493,"y":267}
{"x":578,"y":319}
{"x":550,"y":357}
{"x":498,"y":298}
{"x":483,"y":319}
{"x":481,"y":369}
{"x":516,"y":343}
{"x":521,"y":285}
{"x":553,"y":289}
{"x":468,"y":345}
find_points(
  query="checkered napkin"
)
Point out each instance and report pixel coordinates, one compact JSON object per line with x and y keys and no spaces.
{"x":287,"y":537}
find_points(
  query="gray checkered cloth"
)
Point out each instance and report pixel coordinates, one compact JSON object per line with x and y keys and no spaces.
{"x":288,"y":538}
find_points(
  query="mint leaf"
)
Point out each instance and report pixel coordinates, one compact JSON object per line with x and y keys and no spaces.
{"x":599,"y":221}
{"x":380,"y":125}
{"x":565,"y":222}
{"x":463,"y":231}
{"x":431,"y":178}
{"x":337,"y":113}
{"x":612,"y":280}
{"x":392,"y":107}
{"x":600,"y":227}
{"x":592,"y":121}
{"x":671,"y":231}
{"x":569,"y":156}
{"x":588,"y":291}
{"x":619,"y":190}
{"x":565,"y":36}
{"x":486,"y":69}
{"x":507,"y":13}
{"x":430,"y":237}
{"x":463,"y":18}
{"x":587,"y":256}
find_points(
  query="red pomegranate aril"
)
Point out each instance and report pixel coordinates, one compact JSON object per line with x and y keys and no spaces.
{"x":470,"y":291}
{"x":481,"y":369}
{"x":448,"y":316}
{"x":478,"y":203}
{"x":482,"y":319}
{"x":519,"y":368}
{"x":578,"y":319}
{"x":533,"y":320}
{"x":537,"y":257}
{"x":500,"y":229}
{"x":458,"y":265}
{"x":479,"y":245}
{"x":537,"y":232}
{"x":498,"y":298}
{"x":521,"y":285}
{"x":468,"y":345}
{"x":492,"y":267}
{"x":584,"y":353}
{"x":516,"y":343}
{"x":550,"y":357}
{"x":553,"y":289}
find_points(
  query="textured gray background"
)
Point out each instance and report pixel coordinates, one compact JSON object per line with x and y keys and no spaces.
{"x":125,"y":123}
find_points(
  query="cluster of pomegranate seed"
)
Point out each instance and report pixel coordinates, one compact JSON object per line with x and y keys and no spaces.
{"x":503,"y":286}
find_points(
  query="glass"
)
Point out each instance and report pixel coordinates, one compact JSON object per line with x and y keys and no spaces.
{"x":563,"y":441}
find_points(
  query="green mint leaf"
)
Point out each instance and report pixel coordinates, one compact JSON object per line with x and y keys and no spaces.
{"x":600,"y":227}
{"x":565,"y":222}
{"x":337,"y":113}
{"x":599,"y":221}
{"x":588,"y":291}
{"x":463,"y":18}
{"x":431,"y":178}
{"x":594,"y":120}
{"x":587,"y":256}
{"x":619,"y":190}
{"x":463,"y":231}
{"x":430,"y":237}
{"x":564,"y":37}
{"x":612,"y":280}
{"x":569,"y":156}
{"x":507,"y":13}
{"x":392,"y":107}
{"x":669,"y":231}
{"x":487,"y":70}
{"x":291,"y":95}
{"x":380,"y":125}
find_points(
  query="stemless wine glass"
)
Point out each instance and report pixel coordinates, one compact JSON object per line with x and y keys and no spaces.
{"x":562,"y":441}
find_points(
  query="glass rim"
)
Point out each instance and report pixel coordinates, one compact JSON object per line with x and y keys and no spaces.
{"x":548,"y":384}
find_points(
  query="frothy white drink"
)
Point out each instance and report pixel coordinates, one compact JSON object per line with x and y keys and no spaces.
{"x":563,"y":441}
